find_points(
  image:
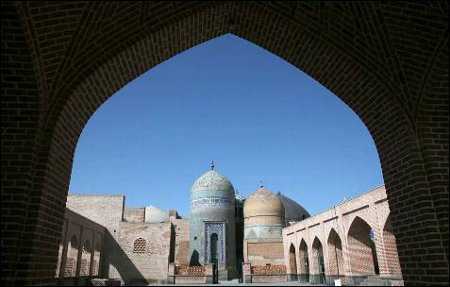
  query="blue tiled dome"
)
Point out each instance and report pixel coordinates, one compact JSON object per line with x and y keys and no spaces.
{"x":212,"y":181}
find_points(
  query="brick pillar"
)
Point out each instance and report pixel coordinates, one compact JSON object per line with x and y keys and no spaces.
{"x":80,"y":253}
{"x":91,"y":265}
{"x":65,"y":242}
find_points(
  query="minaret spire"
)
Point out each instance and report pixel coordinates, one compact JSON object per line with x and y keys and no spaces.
{"x":213,"y":164}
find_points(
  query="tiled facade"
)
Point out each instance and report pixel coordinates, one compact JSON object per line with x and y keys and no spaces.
{"x":213,"y":213}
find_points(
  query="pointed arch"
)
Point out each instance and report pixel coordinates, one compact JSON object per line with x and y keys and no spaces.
{"x":317,"y":262}
{"x":72,"y":257}
{"x":335,"y":254}
{"x":390,"y":249}
{"x":343,"y":59}
{"x":362,"y":251}
{"x":85,"y":265}
{"x":292,"y":263}
{"x":214,"y":250}
{"x":96,"y":260}
{"x":303,"y":261}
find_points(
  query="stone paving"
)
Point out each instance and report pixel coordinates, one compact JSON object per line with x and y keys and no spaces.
{"x":265,"y":284}
{"x":236,"y":283}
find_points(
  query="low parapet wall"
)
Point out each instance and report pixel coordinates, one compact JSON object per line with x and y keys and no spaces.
{"x":264,"y":273}
{"x":185,"y":274}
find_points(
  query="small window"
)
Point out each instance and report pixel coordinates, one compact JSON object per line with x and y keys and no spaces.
{"x":139,"y":245}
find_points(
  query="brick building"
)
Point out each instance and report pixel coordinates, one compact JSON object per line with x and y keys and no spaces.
{"x":136,"y":246}
{"x":353,"y":241}
{"x":139,"y":244}
{"x":388,"y":61}
{"x":80,"y":249}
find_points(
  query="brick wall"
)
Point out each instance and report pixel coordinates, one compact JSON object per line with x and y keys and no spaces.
{"x":392,"y":265}
{"x":263,"y":251}
{"x":80,"y":247}
{"x":362,"y":261}
{"x":388,"y":61}
{"x":151,"y":265}
{"x":336,"y":256}
{"x":134,"y":214}
{"x":268,"y":273}
{"x":182,"y":233}
{"x":342,"y":235}
{"x":106,"y":210}
{"x":20,"y":120}
{"x":123,"y":259}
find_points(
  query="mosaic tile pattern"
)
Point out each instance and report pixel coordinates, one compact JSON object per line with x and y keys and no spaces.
{"x":212,"y":180}
{"x":219,"y":229}
{"x":212,"y":201}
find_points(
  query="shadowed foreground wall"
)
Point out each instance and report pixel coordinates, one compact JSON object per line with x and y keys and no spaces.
{"x":81,"y":248}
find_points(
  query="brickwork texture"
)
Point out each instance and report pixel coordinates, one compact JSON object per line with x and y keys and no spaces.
{"x":388,"y":61}
{"x":80,"y":247}
{"x":353,"y":240}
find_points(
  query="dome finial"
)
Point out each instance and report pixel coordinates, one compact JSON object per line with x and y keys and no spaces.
{"x":261,"y":184}
{"x":213,"y":164}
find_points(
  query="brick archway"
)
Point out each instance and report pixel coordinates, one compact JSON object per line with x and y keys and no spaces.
{"x":317,"y":262}
{"x":74,"y":56}
{"x":292,"y":263}
{"x":96,"y":259}
{"x":85,"y":264}
{"x":362,"y":253}
{"x":303,"y":262}
{"x":335,"y":255}
{"x":70,"y":268}
{"x":390,"y":250}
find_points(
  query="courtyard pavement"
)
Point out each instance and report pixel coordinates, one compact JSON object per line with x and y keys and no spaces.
{"x":236,"y":283}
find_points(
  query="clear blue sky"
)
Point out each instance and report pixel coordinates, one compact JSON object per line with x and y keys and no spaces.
{"x":257,"y":116}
